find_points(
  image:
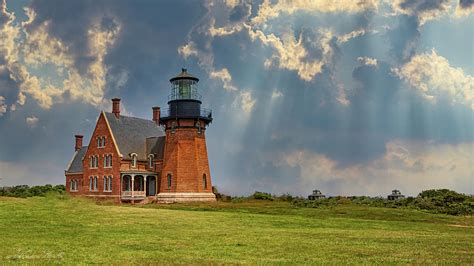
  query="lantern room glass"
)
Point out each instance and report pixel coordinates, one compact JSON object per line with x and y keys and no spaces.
{"x":184,"y":89}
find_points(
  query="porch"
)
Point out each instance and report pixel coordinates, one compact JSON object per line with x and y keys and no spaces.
{"x":138,"y":186}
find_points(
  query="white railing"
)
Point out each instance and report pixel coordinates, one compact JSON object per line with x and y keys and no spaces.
{"x":133,"y":194}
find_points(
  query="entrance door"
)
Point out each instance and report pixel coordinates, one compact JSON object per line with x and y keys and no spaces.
{"x":150,"y":186}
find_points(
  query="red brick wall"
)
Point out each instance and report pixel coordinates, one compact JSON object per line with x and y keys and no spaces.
{"x":77,"y":177}
{"x":101,"y":129}
{"x":186,"y":159}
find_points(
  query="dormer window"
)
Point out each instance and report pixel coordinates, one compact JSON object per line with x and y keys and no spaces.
{"x":150,"y":161}
{"x":134,"y":160}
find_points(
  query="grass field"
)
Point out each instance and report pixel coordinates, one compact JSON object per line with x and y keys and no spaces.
{"x":71,"y":231}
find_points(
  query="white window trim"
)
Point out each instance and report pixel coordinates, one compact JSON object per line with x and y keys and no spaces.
{"x":101,"y":142}
{"x":134,"y":161}
{"x":94,"y":161}
{"x":73,"y":185}
{"x":110,"y":178}
{"x":151,"y":161}
{"x":108,"y":161}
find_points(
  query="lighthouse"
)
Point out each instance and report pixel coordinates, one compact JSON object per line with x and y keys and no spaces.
{"x":186,"y":175}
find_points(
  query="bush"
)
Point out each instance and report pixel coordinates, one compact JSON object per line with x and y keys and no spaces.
{"x":24,"y":191}
{"x":262,"y":196}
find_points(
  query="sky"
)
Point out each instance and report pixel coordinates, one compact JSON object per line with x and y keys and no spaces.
{"x":351,"y":97}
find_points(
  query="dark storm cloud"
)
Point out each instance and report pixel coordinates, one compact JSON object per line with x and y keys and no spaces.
{"x":404,"y":38}
{"x":466,"y":3}
{"x":419,"y":6}
{"x":308,"y":115}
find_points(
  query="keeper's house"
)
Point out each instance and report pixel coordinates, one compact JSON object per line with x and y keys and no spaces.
{"x":133,"y":159}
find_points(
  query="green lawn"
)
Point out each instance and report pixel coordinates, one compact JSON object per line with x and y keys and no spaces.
{"x":51,"y":230}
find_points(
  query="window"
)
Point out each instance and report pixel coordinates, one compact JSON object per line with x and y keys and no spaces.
{"x":134,"y":160}
{"x":108,"y":160}
{"x":150,"y":160}
{"x":100,"y":142}
{"x":95,"y":183}
{"x":91,"y":183}
{"x":169,"y":180}
{"x":204,"y":181}
{"x":73,"y":185}
{"x":94,"y":161}
{"x":198,"y":125}
{"x":107,"y":183}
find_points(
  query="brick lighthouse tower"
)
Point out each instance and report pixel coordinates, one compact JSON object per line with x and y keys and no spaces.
{"x":185,"y":175}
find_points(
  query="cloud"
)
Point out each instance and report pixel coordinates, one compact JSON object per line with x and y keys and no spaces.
{"x":424,"y":10}
{"x":224,"y":76}
{"x":291,"y":54}
{"x":367,"y":61}
{"x":32,"y":121}
{"x":35,"y":49}
{"x":3,"y":106}
{"x":351,"y":35}
{"x":268,"y":11}
{"x":408,"y":165}
{"x":434,"y":77}
{"x":246,"y":101}
{"x":276,"y":94}
{"x":464,"y":8}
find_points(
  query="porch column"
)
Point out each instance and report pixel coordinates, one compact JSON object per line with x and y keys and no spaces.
{"x":144,"y":184}
{"x":133,"y":184}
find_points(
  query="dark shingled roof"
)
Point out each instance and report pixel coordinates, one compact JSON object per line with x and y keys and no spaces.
{"x":184,"y":75}
{"x":155,"y":146}
{"x":76,"y":163}
{"x":131,"y":135}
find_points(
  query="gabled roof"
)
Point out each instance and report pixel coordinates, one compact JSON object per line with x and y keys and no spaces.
{"x":131,"y":134}
{"x":76,"y":164}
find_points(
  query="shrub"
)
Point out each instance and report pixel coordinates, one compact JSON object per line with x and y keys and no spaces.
{"x":24,"y":191}
{"x":262,"y":196}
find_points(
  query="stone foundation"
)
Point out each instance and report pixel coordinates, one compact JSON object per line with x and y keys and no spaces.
{"x":168,"y":197}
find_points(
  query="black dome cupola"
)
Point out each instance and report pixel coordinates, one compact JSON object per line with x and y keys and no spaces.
{"x":184,"y":102}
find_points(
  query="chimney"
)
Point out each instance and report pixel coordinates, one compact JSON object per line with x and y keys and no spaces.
{"x":116,"y":107}
{"x":156,"y":114}
{"x":78,"y":142}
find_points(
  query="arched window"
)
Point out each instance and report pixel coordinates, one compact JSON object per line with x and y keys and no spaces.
{"x":106,"y":183}
{"x":91,"y":181}
{"x":150,"y":160}
{"x":134,"y":160}
{"x":204,"y":181}
{"x":110,"y":160}
{"x":110,"y":183}
{"x":103,"y":141}
{"x":169,"y":180}
{"x":95,"y":183}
